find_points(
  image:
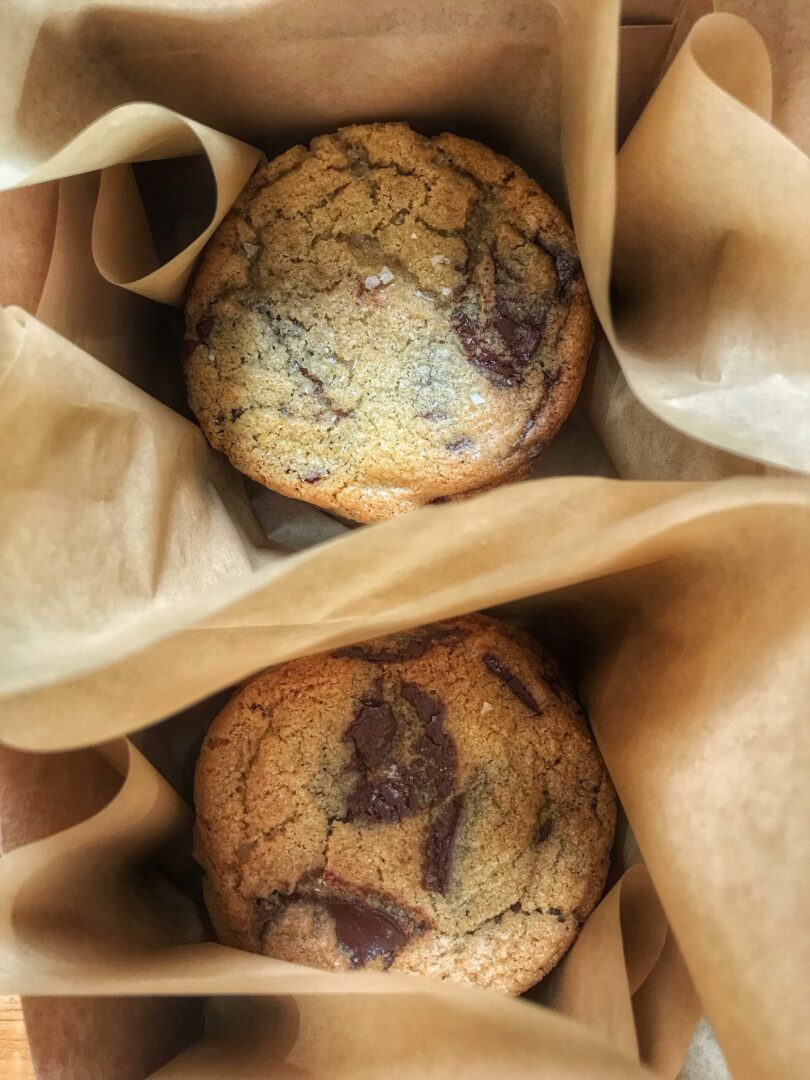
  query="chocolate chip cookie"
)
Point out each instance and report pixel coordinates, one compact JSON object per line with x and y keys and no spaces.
{"x":386,"y":320}
{"x":430,"y":802}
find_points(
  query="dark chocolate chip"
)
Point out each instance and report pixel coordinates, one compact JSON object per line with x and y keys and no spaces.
{"x":566,"y":264}
{"x":521,"y":336}
{"x":556,"y":912}
{"x":365,"y":932}
{"x":517,"y":906}
{"x":496,"y":364}
{"x":568,"y":267}
{"x":439,"y":845}
{"x":543,"y":830}
{"x":385,"y":798}
{"x":362,"y":930}
{"x":508,"y":678}
{"x":482,"y":354}
{"x":437,"y":746}
{"x":204,"y":328}
{"x":314,"y":478}
{"x":372,"y":732}
{"x":404,"y":766}
{"x":426,"y":706}
{"x":235,"y":414}
{"x":416,"y":645}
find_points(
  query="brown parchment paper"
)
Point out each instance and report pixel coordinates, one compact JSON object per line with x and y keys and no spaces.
{"x":642,"y":445}
{"x":703,"y":730}
{"x":137,"y":581}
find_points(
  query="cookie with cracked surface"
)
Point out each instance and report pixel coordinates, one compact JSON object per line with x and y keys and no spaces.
{"x":430,"y":802}
{"x":386,"y":320}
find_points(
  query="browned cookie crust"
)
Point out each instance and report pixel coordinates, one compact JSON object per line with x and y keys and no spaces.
{"x":385,"y":320}
{"x":430,"y":802}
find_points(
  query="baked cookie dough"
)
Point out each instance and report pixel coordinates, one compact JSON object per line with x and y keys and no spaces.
{"x":386,"y":320}
{"x":430,"y":802}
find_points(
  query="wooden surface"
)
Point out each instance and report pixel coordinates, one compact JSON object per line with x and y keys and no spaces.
{"x":15,"y":1060}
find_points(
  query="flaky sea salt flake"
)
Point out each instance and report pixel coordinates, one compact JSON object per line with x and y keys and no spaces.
{"x":386,"y":277}
{"x":372,"y":282}
{"x":446,"y":291}
{"x":251,"y":250}
{"x":477,"y":399}
{"x":437,"y":260}
{"x":485,"y":708}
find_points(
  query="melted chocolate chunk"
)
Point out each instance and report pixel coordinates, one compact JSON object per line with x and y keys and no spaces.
{"x":520,"y":335}
{"x":508,"y":678}
{"x":314,"y":478}
{"x":543,"y":830}
{"x":517,"y":906}
{"x":425,"y":705}
{"x":479,"y":352}
{"x":365,"y":932}
{"x":372,"y":731}
{"x":187,"y":348}
{"x":439,"y":845}
{"x":567,"y":266}
{"x":437,"y":746}
{"x":235,"y":414}
{"x":415,"y":646}
{"x":385,"y":798}
{"x":362,"y":930}
{"x":404,"y":767}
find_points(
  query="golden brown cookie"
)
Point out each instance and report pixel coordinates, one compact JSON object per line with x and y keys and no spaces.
{"x":430,"y":802}
{"x":386,"y":320}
